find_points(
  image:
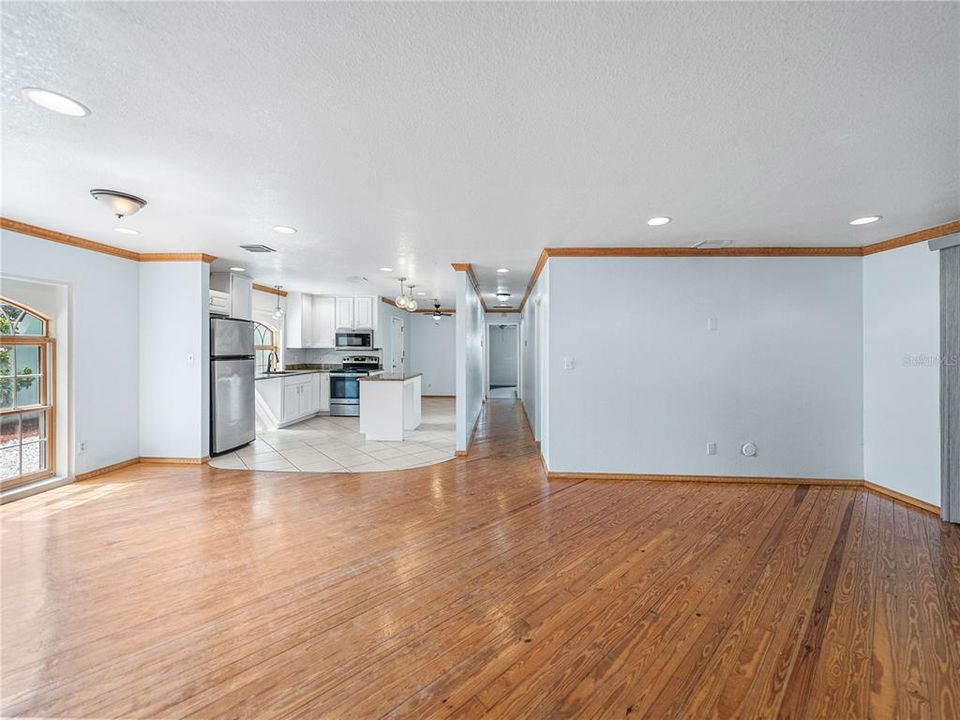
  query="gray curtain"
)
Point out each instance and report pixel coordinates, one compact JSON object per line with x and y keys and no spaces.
{"x":950,"y":383}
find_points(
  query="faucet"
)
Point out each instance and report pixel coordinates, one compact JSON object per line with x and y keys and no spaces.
{"x":273,"y":362}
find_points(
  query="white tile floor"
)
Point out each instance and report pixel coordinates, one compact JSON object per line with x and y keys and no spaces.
{"x":335,"y":444}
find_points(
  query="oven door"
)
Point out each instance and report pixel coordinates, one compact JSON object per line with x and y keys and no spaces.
{"x":345,"y":388}
{"x":354,"y":340}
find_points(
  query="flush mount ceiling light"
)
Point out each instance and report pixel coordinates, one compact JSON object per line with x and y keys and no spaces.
{"x":866,"y":220}
{"x":278,"y":313}
{"x":421,"y":292}
{"x":386,"y":269}
{"x":284,"y":229}
{"x":238,"y":269}
{"x":127,"y":231}
{"x":120,"y":203}
{"x":56,"y":102}
{"x":659,"y":220}
{"x":503,"y":270}
{"x":503,"y":296}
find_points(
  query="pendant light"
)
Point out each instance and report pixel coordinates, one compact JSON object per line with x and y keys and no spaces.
{"x":278,"y":313}
{"x":401,"y":299}
{"x":411,"y":302}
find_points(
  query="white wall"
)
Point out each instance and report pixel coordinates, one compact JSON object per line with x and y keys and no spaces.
{"x":104,"y":336}
{"x":901,"y":372}
{"x":502,"y":350}
{"x":469,"y":359}
{"x":432,"y":350}
{"x":651,"y":385}
{"x":174,"y":360}
{"x":534,"y":355}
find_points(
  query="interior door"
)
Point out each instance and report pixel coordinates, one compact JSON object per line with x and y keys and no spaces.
{"x":397,"y":350}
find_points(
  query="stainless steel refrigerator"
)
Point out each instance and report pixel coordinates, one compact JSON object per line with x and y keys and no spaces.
{"x":232,"y":368}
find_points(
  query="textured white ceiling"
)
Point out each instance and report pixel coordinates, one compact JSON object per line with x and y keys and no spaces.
{"x":416,"y":135}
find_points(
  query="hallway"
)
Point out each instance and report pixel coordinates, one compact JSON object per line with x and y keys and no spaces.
{"x":474,"y":587}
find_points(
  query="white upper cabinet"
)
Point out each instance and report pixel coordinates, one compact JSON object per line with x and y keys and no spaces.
{"x":309,"y":321}
{"x":345,"y":313}
{"x":356,"y":313}
{"x":232,"y":294}
{"x":364,"y":313}
{"x":324,"y":327}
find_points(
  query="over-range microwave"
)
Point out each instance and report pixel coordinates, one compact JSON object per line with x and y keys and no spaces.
{"x":354,"y":339}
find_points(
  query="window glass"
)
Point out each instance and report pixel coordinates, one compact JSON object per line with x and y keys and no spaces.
{"x":9,"y":462}
{"x":32,"y":457}
{"x":28,"y":390}
{"x":17,"y":321}
{"x":6,"y":360}
{"x":6,"y":392}
{"x":9,"y":430}
{"x":32,"y":426}
{"x":28,"y":359}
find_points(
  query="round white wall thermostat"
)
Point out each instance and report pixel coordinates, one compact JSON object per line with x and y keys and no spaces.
{"x":749,"y":449}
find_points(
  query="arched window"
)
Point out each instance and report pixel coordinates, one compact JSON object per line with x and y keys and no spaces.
{"x":26,"y":395}
{"x":265,"y":339}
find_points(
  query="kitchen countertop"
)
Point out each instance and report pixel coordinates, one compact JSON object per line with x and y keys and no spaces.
{"x":390,"y":377}
{"x":315,"y":367}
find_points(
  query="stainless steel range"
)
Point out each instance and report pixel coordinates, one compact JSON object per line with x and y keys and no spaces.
{"x":345,"y":383}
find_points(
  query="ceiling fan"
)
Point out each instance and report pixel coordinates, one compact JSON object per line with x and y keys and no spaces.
{"x":436,"y":311}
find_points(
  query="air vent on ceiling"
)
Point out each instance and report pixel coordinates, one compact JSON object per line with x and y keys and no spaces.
{"x":356,"y":279}
{"x":257,"y":248}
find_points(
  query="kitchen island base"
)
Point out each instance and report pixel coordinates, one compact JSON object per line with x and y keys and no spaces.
{"x":389,"y":405}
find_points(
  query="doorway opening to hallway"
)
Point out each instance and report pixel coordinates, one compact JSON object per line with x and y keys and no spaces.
{"x":503,"y":360}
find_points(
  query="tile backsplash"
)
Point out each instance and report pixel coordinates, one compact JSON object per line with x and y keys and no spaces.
{"x":319,"y":356}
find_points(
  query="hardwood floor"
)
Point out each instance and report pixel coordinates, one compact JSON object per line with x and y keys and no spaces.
{"x":473,"y":588}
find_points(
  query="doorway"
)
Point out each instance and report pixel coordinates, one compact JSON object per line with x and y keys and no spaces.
{"x":503,"y":360}
{"x":397,"y":350}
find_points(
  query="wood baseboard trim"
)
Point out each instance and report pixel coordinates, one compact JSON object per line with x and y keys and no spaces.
{"x":473,"y":431}
{"x":754,"y":480}
{"x":174,"y":460}
{"x":104,"y":470}
{"x":900,"y":497}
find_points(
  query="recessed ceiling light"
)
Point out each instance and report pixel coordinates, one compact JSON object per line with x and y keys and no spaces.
{"x":420,"y":292}
{"x":386,"y":269}
{"x":503,"y":270}
{"x":56,"y":102}
{"x":127,"y":231}
{"x":284,"y":229}
{"x":865,"y":220}
{"x":659,"y":220}
{"x":238,"y":269}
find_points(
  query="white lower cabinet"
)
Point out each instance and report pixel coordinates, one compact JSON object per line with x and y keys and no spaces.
{"x":324,"y":380}
{"x":301,"y":397}
{"x":287,"y":399}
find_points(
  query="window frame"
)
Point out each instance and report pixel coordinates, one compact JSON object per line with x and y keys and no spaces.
{"x":275,"y":334}
{"x":47,"y":395}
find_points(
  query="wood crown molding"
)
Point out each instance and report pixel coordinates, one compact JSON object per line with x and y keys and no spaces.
{"x":270,"y":290}
{"x":471,"y":276}
{"x":84,"y":244}
{"x":749,"y":480}
{"x":930,"y":233}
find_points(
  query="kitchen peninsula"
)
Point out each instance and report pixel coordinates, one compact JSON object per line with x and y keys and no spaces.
{"x":389,"y":404}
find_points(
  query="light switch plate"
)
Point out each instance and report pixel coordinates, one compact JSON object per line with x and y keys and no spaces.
{"x":711,"y":323}
{"x":711,"y":448}
{"x":568,"y":363}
